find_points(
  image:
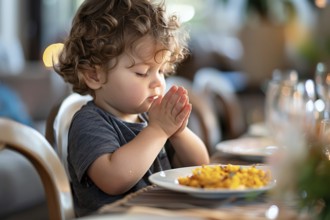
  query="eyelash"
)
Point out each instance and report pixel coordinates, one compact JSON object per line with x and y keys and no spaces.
{"x":141,"y":74}
{"x":146,"y":74}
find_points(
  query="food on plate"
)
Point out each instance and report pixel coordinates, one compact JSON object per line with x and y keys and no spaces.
{"x":226,"y":176}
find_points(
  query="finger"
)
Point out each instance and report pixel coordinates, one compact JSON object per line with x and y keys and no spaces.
{"x":185,"y":112}
{"x":156,"y":102}
{"x":189,"y":110}
{"x":168,"y":95}
{"x":182,"y":91}
{"x":183,"y":100}
{"x":175,"y":98}
{"x":184,"y":123}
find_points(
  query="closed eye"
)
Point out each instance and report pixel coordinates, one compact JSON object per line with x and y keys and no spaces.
{"x":141,"y":74}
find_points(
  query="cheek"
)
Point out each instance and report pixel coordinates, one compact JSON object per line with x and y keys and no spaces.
{"x":135,"y":92}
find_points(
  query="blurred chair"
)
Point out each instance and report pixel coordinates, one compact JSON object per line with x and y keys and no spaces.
{"x":58,"y":124}
{"x":32,"y":145}
{"x":39,"y":89}
{"x":12,"y":106}
{"x":222,"y":97}
{"x":203,"y":119}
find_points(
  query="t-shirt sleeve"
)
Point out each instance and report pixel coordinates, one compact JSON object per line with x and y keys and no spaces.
{"x":90,"y":136}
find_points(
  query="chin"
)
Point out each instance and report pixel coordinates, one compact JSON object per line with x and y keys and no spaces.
{"x":146,"y":109}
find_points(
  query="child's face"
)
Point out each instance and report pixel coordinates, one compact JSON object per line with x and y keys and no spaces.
{"x":132,"y":89}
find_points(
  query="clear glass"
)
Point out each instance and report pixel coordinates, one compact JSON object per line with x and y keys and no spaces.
{"x":282,"y":83}
{"x":325,"y":135}
{"x":322,"y":82}
{"x":290,"y":111}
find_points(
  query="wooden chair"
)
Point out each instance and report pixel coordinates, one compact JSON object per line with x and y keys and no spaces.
{"x":203,"y":119}
{"x":58,"y":123}
{"x":32,"y":145}
{"x":221,"y":96}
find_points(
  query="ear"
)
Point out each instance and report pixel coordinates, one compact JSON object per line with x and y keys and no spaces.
{"x":93,"y":78}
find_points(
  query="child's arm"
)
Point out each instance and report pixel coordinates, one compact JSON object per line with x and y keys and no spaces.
{"x":190,"y":150}
{"x":117,"y":172}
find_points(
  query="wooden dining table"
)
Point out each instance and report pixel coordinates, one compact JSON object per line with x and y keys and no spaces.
{"x":155,"y":202}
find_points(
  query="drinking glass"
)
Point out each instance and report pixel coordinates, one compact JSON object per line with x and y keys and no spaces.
{"x":325,"y":135}
{"x":290,"y":113}
{"x":322,"y":81}
{"x":280,"y":79}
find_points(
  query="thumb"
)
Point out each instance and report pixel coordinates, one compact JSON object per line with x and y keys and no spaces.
{"x":156,"y":101}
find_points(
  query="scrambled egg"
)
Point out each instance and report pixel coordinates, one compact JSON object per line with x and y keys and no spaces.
{"x":229,"y":177}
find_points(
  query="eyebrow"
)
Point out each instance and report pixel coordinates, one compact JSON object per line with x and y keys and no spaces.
{"x":138,"y":60}
{"x":140,"y":63}
{"x":152,"y":61}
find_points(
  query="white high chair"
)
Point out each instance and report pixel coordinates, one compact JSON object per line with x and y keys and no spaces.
{"x":61,"y":124}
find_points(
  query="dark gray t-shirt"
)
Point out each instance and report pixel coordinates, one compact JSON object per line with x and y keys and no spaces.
{"x":94,"y":132}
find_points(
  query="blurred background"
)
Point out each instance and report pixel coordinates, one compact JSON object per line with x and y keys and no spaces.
{"x":242,"y":40}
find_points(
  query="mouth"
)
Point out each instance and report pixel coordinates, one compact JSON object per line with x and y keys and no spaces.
{"x":152,"y":98}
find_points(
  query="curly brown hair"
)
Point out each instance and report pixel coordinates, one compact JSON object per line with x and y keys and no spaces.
{"x":104,"y":29}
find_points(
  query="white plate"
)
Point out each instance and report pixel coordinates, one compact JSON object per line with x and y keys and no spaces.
{"x":252,"y":148}
{"x":169,"y":180}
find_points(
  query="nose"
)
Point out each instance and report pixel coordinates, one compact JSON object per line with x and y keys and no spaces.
{"x":157,"y":80}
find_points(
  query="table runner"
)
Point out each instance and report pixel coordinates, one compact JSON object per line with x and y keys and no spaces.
{"x":156,"y":200}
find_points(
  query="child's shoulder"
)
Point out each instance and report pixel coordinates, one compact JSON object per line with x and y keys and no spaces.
{"x":91,"y":112}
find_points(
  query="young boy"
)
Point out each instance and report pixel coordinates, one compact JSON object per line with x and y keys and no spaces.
{"x":119,"y":52}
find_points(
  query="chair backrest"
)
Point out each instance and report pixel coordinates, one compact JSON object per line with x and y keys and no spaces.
{"x":203,"y":118}
{"x":31,"y":144}
{"x":222,"y":96}
{"x":59,"y":121}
